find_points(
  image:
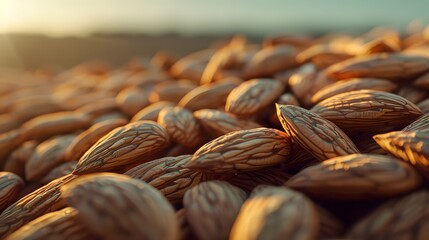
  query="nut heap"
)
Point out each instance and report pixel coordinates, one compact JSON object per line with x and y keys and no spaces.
{"x":295,"y":138}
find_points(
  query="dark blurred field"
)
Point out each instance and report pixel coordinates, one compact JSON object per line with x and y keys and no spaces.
{"x":31,"y":51}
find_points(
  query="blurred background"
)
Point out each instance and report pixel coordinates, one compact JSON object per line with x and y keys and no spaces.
{"x":67,"y":32}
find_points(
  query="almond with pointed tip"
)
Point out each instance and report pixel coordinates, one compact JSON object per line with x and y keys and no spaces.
{"x":253,"y":95}
{"x":403,"y":218}
{"x":115,"y":206}
{"x":367,"y":109}
{"x":61,"y":224}
{"x":181,"y":126}
{"x":47,"y":156}
{"x":411,"y":146}
{"x":10,"y":185}
{"x":41,"y":201}
{"x":387,"y":66}
{"x":276,"y":213}
{"x":218,"y":123}
{"x":353,"y":84}
{"x":270,"y":60}
{"x":58,"y":172}
{"x":243,"y":150}
{"x":45,"y":126}
{"x":211,"y":208}
{"x":356,"y":177}
{"x":318,"y":136}
{"x":123,"y":146}
{"x":210,"y":96}
{"x":89,"y":137}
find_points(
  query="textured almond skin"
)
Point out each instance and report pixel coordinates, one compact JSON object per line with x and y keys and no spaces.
{"x":116,"y":207}
{"x":411,"y":146}
{"x":421,"y":124}
{"x":387,"y":66}
{"x":151,"y":112}
{"x":43,"y":200}
{"x":363,"y":109}
{"x":253,"y":95}
{"x":219,"y":123}
{"x":320,"y":137}
{"x":355,"y":177}
{"x":402,"y":219}
{"x":210,"y":96}
{"x":52,"y":124}
{"x":270,"y":60}
{"x":123,"y":146}
{"x":181,"y":126}
{"x":89,"y":137}
{"x":211,"y":208}
{"x":169,"y":176}
{"x":59,"y":171}
{"x":242,"y":151}
{"x":276,"y":213}
{"x":62,"y":224}
{"x":10,"y":184}
{"x":46,"y":156}
{"x":353,"y":84}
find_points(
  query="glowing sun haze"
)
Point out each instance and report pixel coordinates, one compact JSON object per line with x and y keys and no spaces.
{"x":83,"y":17}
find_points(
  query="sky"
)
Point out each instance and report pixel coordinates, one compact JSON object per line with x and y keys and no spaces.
{"x":84,"y":17}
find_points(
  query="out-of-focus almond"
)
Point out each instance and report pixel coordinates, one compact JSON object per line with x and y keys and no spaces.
{"x":421,"y":124}
{"x":151,"y":112}
{"x":132,"y":100}
{"x":10,"y":184}
{"x":171,"y":91}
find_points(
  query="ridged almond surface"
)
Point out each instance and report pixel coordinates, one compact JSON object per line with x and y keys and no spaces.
{"x":211,"y":208}
{"x":243,"y":150}
{"x":363,"y":109}
{"x":169,"y":176}
{"x":411,"y":146}
{"x":10,"y":141}
{"x":10,"y":185}
{"x":356,"y":177}
{"x":318,"y":136}
{"x":123,"y":146}
{"x":62,"y":224}
{"x":276,"y":213}
{"x":118,"y":207}
{"x":421,"y":124}
{"x":253,"y":95}
{"x":43,"y":200}
{"x":181,"y":125}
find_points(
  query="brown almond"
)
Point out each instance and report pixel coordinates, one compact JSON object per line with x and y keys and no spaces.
{"x":367,"y":109}
{"x":276,"y":213}
{"x":320,"y":137}
{"x":411,"y":146}
{"x":243,"y":151}
{"x":124,"y":146}
{"x":353,"y":84}
{"x":62,"y":224}
{"x":171,"y":91}
{"x":131,"y":100}
{"x":48,"y":125}
{"x":218,"y":123}
{"x":421,"y":124}
{"x":10,"y":185}
{"x":58,"y":172}
{"x":387,"y":66}
{"x":181,"y":125}
{"x":252,"y":96}
{"x":356,"y":177}
{"x":211,"y":208}
{"x":116,"y":206}
{"x":151,"y":112}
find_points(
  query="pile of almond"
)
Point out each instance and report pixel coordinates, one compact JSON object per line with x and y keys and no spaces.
{"x":292,"y":138}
